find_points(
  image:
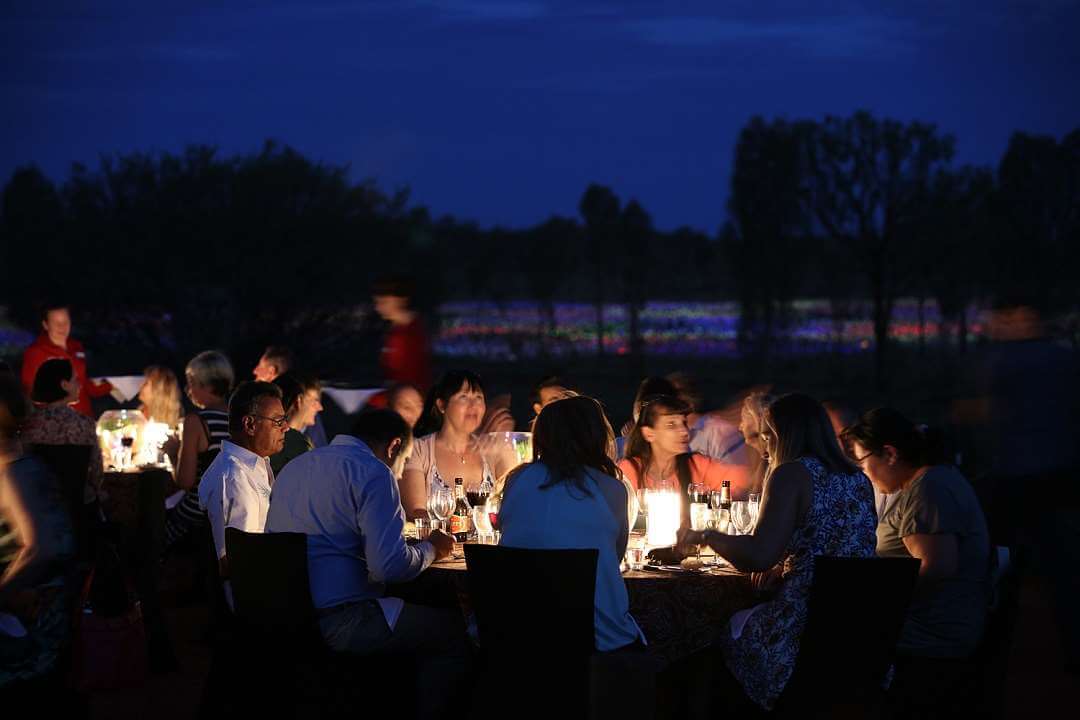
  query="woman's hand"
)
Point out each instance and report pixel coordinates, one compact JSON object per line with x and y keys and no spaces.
{"x":686,"y":540}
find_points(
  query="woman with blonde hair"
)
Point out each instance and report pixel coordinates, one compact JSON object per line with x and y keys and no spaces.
{"x":159,"y":397}
{"x":209,"y":378}
{"x":815,"y":502}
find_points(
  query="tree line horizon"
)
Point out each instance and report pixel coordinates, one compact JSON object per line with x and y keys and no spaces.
{"x":271,"y":244}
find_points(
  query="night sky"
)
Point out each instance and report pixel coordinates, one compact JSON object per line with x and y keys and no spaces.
{"x":502,"y":112}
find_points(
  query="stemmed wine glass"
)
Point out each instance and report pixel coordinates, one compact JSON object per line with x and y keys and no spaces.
{"x":440,"y":503}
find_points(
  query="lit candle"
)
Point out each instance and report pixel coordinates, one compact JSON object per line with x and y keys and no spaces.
{"x":662,"y":520}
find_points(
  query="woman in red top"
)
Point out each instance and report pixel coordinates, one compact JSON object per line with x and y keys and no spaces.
{"x":406,"y":352}
{"x":54,"y":342}
{"x":658,"y":452}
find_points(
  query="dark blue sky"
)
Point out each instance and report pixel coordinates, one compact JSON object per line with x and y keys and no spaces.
{"x":503,"y":112}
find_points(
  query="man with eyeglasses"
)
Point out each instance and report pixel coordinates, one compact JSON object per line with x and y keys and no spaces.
{"x":235,"y":490}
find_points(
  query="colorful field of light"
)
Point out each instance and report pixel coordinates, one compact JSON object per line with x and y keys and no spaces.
{"x":523,"y":329}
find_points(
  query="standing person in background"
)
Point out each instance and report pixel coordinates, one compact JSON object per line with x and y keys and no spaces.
{"x":55,"y":342}
{"x":406,"y":351}
{"x":55,"y":422}
{"x":276,"y":360}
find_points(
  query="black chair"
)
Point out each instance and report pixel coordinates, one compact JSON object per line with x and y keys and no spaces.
{"x":276,"y":637}
{"x":991,"y":658}
{"x":535,"y":619}
{"x":856,"y":610}
{"x":71,"y":466}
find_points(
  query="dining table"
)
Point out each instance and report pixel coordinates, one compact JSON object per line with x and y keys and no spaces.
{"x":134,"y":503}
{"x":678,"y":609}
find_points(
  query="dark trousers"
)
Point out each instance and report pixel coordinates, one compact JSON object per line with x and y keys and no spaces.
{"x":434,"y":638}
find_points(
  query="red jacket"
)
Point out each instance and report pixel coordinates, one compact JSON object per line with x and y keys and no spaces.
{"x":43,"y":349}
{"x":406,"y":355}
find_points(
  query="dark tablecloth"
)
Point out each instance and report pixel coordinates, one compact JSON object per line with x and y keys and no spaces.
{"x":679,"y":612}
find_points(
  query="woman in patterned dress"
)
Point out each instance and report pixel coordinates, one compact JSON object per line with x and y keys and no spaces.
{"x":815,"y":502}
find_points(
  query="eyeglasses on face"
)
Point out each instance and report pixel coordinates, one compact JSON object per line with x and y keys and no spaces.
{"x":278,"y":422}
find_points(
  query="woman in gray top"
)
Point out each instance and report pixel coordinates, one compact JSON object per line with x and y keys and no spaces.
{"x":936,"y":518}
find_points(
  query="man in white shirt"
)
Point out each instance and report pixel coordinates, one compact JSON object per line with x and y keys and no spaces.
{"x":235,"y":489}
{"x":345,"y":499}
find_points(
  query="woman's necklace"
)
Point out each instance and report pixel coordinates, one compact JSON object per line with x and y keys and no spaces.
{"x":461,"y":456}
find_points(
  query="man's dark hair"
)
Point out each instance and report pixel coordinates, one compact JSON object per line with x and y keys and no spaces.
{"x":280,"y":357}
{"x":378,"y":427}
{"x":548,"y":381}
{"x":50,"y":374}
{"x":291,"y":389}
{"x":245,"y":401}
{"x":394,"y":286}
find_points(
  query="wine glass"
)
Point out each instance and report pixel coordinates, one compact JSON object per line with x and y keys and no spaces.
{"x":441,"y":503}
{"x":491,"y":507}
{"x":715,"y":498}
{"x":754,"y":502}
{"x":740,"y":517}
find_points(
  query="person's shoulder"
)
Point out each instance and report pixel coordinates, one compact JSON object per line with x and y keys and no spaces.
{"x":75,"y":346}
{"x":794,"y":472}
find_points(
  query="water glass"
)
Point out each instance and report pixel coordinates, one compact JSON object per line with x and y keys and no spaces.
{"x":754,"y":502}
{"x":423,"y":528}
{"x":635,"y":551}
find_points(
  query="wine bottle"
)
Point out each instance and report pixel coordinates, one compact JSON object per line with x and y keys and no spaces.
{"x":461,"y":519}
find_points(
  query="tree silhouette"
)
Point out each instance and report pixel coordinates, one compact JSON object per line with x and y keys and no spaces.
{"x":599,"y":208}
{"x":866,"y":182}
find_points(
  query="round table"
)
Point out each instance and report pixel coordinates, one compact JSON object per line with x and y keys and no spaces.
{"x":680,"y":611}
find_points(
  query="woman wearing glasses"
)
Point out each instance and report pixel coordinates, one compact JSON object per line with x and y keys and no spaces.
{"x":936,"y":518}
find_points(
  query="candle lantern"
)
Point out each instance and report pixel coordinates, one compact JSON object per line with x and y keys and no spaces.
{"x":663,"y":517}
{"x":120,"y":435}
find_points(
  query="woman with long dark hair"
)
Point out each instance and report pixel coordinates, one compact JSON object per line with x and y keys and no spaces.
{"x":571,"y":497}
{"x":814,"y":502}
{"x":658,"y":452}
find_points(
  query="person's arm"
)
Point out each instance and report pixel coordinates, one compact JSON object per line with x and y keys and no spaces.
{"x":380,"y":518}
{"x":98,"y":388}
{"x":414,"y":493}
{"x":211,"y":499}
{"x":938,"y":555}
{"x":784,"y":500}
{"x":32,"y":360}
{"x":34,"y":558}
{"x":193,"y":441}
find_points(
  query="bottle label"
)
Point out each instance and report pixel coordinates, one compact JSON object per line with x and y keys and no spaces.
{"x":459,"y":524}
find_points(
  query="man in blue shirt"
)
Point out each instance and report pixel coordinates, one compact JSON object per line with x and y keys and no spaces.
{"x":345,"y":499}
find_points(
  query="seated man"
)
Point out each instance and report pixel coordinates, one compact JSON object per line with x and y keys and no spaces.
{"x":235,"y":489}
{"x":345,"y":499}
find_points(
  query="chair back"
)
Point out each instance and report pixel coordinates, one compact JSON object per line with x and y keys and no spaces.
{"x":269,"y":577}
{"x":71,"y":466}
{"x":533,"y":601}
{"x":991,"y":657}
{"x":856,"y":610}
